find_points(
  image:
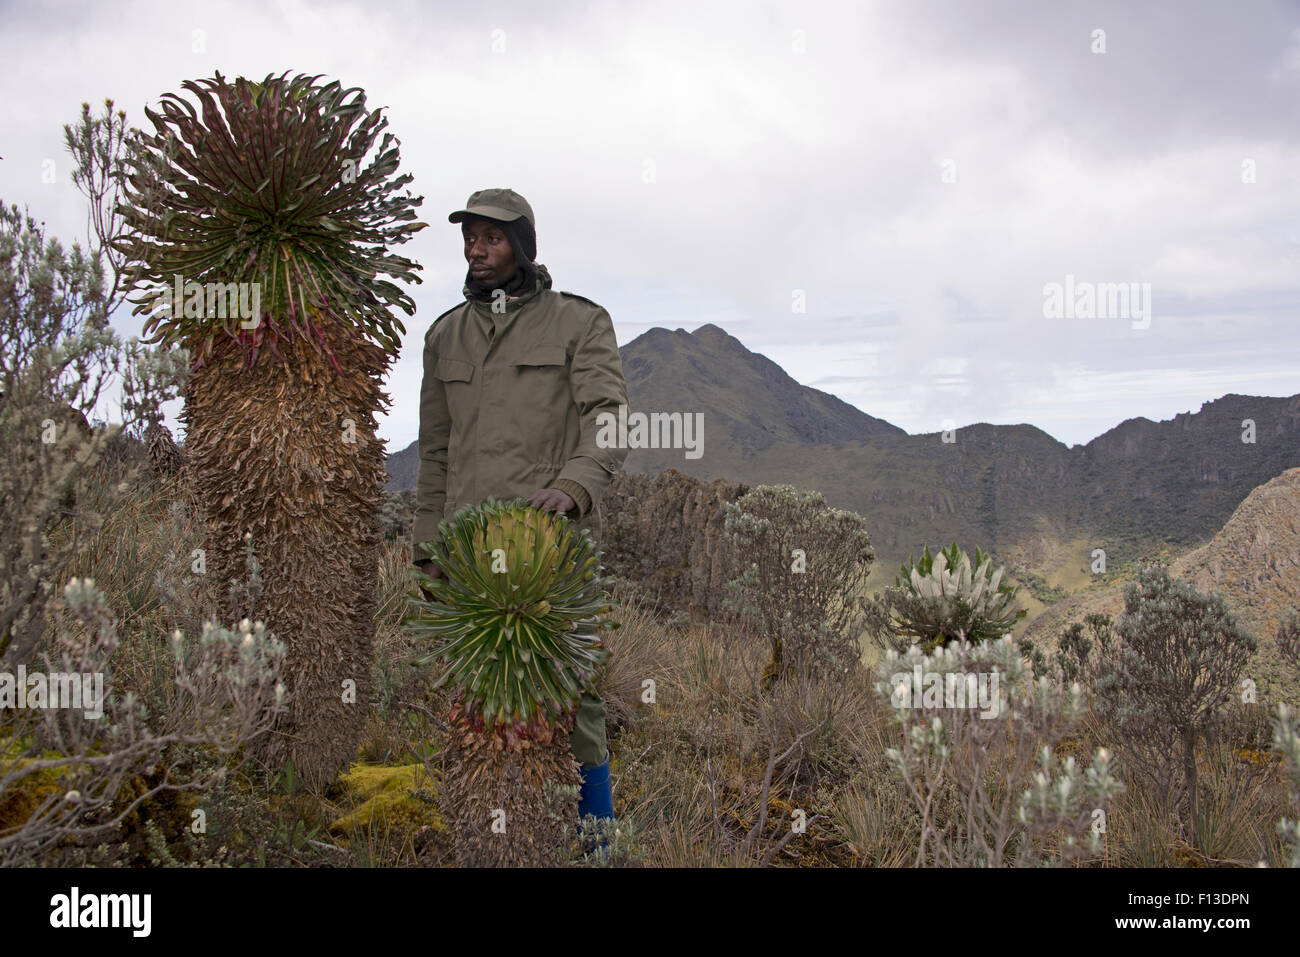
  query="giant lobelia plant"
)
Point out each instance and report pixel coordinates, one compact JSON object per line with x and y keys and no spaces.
{"x":258,"y":226}
{"x":944,"y":596}
{"x":516,"y":622}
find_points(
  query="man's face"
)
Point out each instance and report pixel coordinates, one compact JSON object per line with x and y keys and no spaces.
{"x":487,"y":250}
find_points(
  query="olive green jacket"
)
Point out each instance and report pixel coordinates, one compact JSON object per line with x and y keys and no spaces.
{"x":509,"y":402}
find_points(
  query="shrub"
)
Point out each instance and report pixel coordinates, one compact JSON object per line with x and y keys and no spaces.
{"x":803,"y":563}
{"x":1074,"y":649}
{"x":1173,"y":666}
{"x":65,"y":777}
{"x":1286,"y":739}
{"x":58,"y":356}
{"x":986,"y":781}
{"x":1288,"y":638}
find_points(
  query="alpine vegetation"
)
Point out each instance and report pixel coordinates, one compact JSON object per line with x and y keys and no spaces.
{"x":1166,"y":677}
{"x":799,"y":564}
{"x":754,"y":731}
{"x":86,"y":777}
{"x":1286,"y":741}
{"x":992,"y":793}
{"x":516,"y":620}
{"x":944,"y":597}
{"x":272,"y":186}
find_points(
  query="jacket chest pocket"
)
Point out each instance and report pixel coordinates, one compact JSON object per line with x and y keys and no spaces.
{"x":454,"y":370}
{"x":541,"y":357}
{"x":541,"y":387}
{"x":539,"y":399}
{"x":457,"y":378}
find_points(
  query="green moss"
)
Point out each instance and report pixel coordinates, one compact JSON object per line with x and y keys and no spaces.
{"x":20,"y":800}
{"x":400,"y":797}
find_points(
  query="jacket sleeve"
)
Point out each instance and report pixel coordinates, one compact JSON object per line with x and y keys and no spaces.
{"x":597,"y":385}
{"x":435,"y":430}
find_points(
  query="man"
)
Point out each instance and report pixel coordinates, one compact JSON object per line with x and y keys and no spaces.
{"x":514,"y":378}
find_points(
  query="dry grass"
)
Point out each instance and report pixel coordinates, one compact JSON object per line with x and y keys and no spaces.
{"x":709,"y":769}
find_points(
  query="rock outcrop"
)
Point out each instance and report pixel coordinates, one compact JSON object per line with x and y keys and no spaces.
{"x":1253,"y":561}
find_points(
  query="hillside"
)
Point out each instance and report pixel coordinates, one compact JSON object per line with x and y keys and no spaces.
{"x":404,"y":468}
{"x":1010,"y":488}
{"x":749,"y":402}
{"x":1254,"y":561}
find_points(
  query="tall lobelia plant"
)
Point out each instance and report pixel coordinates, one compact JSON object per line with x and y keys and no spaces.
{"x":516,"y":621}
{"x":258,"y":226}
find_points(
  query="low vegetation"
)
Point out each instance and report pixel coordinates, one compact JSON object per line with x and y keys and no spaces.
{"x":716,"y":760}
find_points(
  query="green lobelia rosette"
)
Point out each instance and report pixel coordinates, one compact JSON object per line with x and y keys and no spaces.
{"x":517,"y":617}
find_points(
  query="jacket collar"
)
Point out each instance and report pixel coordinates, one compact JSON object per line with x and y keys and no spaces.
{"x":485,"y":308}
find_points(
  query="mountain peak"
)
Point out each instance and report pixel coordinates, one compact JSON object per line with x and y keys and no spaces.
{"x":711,"y":331}
{"x":751,"y":401}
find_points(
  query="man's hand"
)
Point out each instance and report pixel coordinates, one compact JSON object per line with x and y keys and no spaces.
{"x":552,"y":500}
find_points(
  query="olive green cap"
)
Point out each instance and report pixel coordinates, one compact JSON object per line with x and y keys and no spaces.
{"x":501,"y":204}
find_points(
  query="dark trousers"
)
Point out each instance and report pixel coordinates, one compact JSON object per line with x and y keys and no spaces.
{"x":588,"y":738}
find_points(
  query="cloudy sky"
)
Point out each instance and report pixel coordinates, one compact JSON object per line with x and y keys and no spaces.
{"x":872,"y":195}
